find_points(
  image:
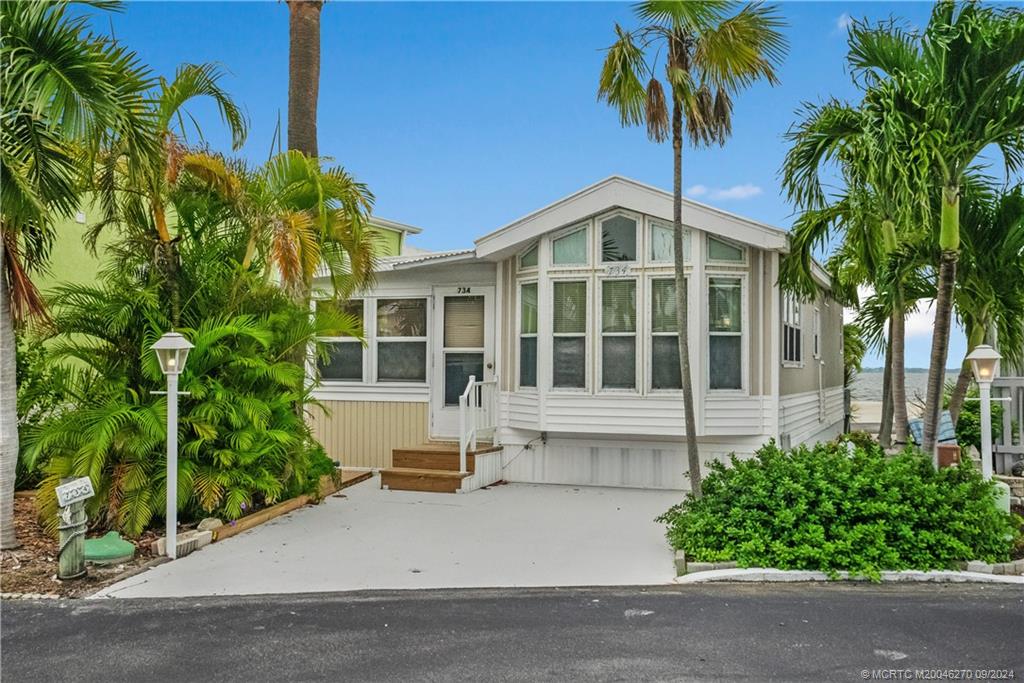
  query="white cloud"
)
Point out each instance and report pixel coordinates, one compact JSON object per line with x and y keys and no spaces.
{"x":843,"y":22}
{"x":697,"y":191}
{"x":744,"y":191}
{"x":920,"y":323}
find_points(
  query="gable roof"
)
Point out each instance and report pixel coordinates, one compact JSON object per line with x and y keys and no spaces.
{"x":376,"y":221}
{"x":619,"y":192}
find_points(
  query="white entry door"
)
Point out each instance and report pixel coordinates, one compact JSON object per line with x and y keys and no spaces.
{"x":464,"y":330}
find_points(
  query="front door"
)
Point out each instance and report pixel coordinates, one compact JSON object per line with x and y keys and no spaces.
{"x":464,"y":330}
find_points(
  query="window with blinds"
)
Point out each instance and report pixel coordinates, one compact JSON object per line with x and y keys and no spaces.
{"x":662,"y":246}
{"x":344,"y":352}
{"x":570,"y":250}
{"x":725,"y":333}
{"x":463,"y":322}
{"x":665,"y":372}
{"x":618,"y":334}
{"x":528,"y":335}
{"x":401,"y":340}
{"x":569,"y":328}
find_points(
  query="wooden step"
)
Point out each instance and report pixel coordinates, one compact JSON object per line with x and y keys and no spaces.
{"x":437,"y":457}
{"x":418,"y":479}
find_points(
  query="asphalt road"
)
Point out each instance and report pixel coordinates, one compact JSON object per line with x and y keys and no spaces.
{"x":759,"y":632}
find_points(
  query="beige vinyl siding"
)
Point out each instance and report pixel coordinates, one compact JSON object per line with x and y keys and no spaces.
{"x":797,"y":380}
{"x":362,"y":433}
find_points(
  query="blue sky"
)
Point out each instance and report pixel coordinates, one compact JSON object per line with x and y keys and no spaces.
{"x":464,"y":116}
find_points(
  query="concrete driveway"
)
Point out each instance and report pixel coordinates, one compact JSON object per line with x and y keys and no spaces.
{"x":366,"y":538}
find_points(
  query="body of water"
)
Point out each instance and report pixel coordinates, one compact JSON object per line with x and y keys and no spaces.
{"x":867,"y":386}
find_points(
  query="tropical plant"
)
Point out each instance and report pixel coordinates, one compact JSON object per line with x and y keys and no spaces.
{"x":947,"y":93}
{"x":842,"y":506}
{"x":64,"y":92}
{"x":989,"y":296}
{"x":710,"y":54}
{"x":133,"y":188}
{"x":303,"y":74}
{"x":854,"y":349}
{"x":241,"y":442}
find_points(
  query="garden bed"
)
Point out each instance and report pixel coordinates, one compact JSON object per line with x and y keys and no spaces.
{"x":32,"y":568}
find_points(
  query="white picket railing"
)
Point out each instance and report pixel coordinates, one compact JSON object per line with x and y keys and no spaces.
{"x":478,"y":415}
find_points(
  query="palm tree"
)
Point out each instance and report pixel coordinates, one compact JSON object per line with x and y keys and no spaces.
{"x":303,"y":74}
{"x":301,"y":217}
{"x":989,"y":296}
{"x":64,"y":92}
{"x":133,"y":189}
{"x":947,"y":93}
{"x":710,"y":56}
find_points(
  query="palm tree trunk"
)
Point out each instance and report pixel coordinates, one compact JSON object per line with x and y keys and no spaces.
{"x":303,"y":74}
{"x":885,"y":427}
{"x":963,"y":381}
{"x":897,"y":336}
{"x":8,"y":413}
{"x":682,"y":312}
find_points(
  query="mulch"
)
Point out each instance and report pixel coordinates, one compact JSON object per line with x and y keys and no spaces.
{"x":32,"y":567}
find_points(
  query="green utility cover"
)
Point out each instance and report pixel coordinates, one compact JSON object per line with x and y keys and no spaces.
{"x":109,"y":549}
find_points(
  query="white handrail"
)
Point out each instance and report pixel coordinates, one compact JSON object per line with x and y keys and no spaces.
{"x":478,"y":413}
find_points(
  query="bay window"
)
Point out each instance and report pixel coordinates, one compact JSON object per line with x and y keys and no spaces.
{"x":401,"y":340}
{"x":618,"y":334}
{"x":665,"y":372}
{"x":528,"y":335}
{"x":569,"y":326}
{"x":344,"y":361}
{"x":725,"y":333}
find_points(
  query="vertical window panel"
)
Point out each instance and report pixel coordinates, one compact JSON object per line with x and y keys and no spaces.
{"x":618,"y":239}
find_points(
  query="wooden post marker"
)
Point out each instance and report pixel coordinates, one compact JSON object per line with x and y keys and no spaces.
{"x":71,"y":522}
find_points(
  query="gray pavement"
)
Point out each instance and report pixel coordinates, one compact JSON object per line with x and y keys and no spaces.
{"x":719,"y":632}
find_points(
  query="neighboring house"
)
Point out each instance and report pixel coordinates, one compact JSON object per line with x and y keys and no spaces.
{"x":71,"y":263}
{"x":567,"y":317}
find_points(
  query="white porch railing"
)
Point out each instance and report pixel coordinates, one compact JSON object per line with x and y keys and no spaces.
{"x":1009,"y":441}
{"x":478,"y":415}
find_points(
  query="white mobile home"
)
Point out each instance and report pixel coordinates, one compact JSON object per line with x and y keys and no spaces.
{"x":566,"y":320}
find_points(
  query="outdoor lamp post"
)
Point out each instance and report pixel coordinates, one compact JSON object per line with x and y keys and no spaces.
{"x":172,"y":351}
{"x":985,"y":364}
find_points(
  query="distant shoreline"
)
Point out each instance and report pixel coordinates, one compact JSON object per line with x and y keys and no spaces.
{"x":870,"y":370}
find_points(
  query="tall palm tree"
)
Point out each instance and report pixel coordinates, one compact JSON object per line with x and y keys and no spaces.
{"x":710,"y":54}
{"x":303,"y":74}
{"x":64,"y":91}
{"x":133,"y":189}
{"x":990,"y":283}
{"x":948,"y":93}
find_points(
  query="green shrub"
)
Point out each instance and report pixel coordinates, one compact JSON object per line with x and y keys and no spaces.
{"x":968,"y":425}
{"x":42,"y":391}
{"x":859,"y":439}
{"x":829,"y":510}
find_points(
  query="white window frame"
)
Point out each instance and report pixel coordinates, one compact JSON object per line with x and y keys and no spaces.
{"x":588,"y":361}
{"x":363,"y":343}
{"x":707,"y":252}
{"x":598,"y":241}
{"x":519,"y":259}
{"x":587,"y":228}
{"x":743,"y":334}
{"x":649,"y":332}
{"x":653,"y":223}
{"x":792,"y":316}
{"x":601,"y":334}
{"x":816,"y":332}
{"x":519,"y":335}
{"x":377,"y":339}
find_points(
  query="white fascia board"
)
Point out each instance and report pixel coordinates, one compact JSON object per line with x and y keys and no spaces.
{"x":624,"y":193}
{"x":394,"y":225}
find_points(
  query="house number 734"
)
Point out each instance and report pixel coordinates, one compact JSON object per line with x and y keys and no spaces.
{"x":464,"y":290}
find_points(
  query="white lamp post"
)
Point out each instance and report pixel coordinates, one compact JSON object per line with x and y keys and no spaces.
{"x":985,"y":364}
{"x":172,"y":351}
